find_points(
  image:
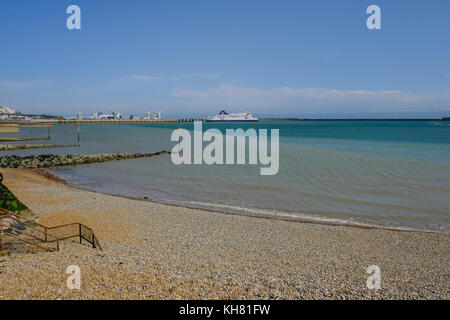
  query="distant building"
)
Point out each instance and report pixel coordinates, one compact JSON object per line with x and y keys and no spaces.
{"x":8,"y":113}
{"x":156,"y":115}
{"x":100,"y":116}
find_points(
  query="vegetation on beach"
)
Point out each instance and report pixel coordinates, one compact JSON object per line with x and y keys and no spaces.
{"x":9,"y":201}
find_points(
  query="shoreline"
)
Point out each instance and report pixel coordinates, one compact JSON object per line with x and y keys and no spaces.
{"x":156,"y":251}
{"x":269,"y":216}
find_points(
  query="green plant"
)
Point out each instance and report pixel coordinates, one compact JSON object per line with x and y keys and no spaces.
{"x":9,"y":201}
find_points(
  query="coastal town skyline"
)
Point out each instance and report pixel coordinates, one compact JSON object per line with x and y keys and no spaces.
{"x":322,"y":60}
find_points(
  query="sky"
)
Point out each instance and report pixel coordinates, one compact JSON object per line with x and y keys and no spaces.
{"x":193,"y":58}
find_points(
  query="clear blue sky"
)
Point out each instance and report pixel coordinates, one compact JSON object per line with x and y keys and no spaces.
{"x":197,"y":57}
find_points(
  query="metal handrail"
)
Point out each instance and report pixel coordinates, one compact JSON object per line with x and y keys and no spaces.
{"x":10,"y":216}
{"x":7,"y":212}
{"x":93,"y":241}
{"x":30,"y":242}
{"x":15,"y":219}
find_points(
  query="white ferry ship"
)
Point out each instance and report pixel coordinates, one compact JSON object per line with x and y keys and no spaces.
{"x":223,"y":116}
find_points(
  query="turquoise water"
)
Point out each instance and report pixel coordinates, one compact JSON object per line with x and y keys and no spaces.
{"x":389,"y":173}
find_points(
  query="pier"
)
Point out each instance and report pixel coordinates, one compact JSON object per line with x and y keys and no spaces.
{"x":15,"y":124}
{"x":117,"y":121}
{"x":9,"y":128}
{"x":111,"y":121}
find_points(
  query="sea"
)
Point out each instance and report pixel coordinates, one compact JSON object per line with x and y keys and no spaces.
{"x":390,"y":174}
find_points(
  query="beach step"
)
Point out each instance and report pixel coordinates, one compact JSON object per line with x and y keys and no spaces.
{"x":2,"y":260}
{"x":14,"y":246}
{"x":4,"y":256}
{"x":4,"y":253}
{"x":21,"y":234}
{"x":22,"y":243}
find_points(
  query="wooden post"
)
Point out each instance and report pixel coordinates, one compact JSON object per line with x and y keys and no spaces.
{"x":78,"y":129}
{"x":48,"y":132}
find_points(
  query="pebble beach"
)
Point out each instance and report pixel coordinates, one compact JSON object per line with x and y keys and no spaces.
{"x":157,"y":251}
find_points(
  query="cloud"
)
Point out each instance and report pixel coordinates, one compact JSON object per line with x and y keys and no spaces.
{"x":139,"y":79}
{"x":10,"y":84}
{"x":192,"y":76}
{"x":142,"y":78}
{"x":312,"y":99}
{"x":148,"y":78}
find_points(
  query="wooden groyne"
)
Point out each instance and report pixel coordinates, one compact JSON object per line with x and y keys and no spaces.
{"x":9,"y":147}
{"x":22,"y":138}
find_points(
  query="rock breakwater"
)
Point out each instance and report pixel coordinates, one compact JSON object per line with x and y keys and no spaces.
{"x":50,"y":160}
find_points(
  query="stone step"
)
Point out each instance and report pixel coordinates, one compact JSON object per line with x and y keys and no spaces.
{"x":5,"y":253}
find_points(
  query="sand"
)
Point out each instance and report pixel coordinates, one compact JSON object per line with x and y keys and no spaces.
{"x":156,"y":251}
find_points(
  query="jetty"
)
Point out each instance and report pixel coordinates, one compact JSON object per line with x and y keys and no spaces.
{"x":9,"y":128}
{"x":15,"y":124}
{"x":117,"y":121}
